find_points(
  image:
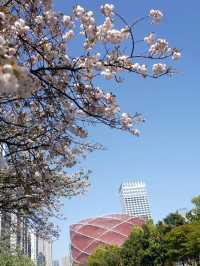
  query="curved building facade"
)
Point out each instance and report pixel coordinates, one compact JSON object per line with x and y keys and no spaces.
{"x":106,"y":230}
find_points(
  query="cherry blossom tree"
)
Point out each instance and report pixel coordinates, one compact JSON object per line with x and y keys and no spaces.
{"x":49,"y":96}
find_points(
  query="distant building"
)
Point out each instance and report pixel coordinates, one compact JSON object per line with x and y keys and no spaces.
{"x":65,"y":261}
{"x":106,"y":230}
{"x":134,"y":199}
{"x":56,"y":263}
{"x":42,"y":251}
{"x":14,"y":233}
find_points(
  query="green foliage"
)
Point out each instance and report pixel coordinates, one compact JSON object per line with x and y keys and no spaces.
{"x":145,"y":246}
{"x":155,"y":250}
{"x":193,"y":242}
{"x":171,"y":241}
{"x":174,"y":219}
{"x":194,"y":214}
{"x":105,"y":256}
{"x":176,"y":241}
{"x":183,"y":243}
{"x":171,"y":221}
{"x":132,"y":250}
{"x":8,"y":259}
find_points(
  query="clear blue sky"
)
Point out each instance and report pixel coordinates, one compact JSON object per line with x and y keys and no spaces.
{"x":167,"y":155}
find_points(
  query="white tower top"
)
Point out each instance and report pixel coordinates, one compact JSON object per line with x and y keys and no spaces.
{"x":134,"y":199}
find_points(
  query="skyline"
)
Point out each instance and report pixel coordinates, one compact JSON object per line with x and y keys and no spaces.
{"x":166,"y":155}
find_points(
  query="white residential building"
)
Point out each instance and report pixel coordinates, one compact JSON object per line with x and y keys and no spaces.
{"x":14,"y":233}
{"x":56,"y":263}
{"x":44,"y":252}
{"x":65,"y":261}
{"x":134,"y":199}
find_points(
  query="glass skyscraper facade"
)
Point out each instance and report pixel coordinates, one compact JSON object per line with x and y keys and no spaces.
{"x":134,"y":199}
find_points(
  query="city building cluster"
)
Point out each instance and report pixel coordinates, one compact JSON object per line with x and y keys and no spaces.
{"x":15,"y":234}
{"x":85,"y":235}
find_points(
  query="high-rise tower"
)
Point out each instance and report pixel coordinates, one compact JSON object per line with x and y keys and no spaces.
{"x":134,"y":199}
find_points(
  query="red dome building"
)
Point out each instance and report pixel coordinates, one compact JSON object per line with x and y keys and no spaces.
{"x":106,"y":230}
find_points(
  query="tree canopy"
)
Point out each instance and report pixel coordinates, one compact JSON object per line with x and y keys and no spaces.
{"x":49,"y":95}
{"x":8,"y":259}
{"x":194,"y":214}
{"x":105,"y":256}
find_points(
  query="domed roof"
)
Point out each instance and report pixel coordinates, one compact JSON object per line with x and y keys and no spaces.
{"x":111,"y":229}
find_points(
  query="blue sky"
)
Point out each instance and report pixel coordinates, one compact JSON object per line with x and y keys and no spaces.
{"x":167,"y":155}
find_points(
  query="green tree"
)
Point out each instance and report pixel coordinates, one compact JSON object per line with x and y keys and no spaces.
{"x":183,"y":243}
{"x":132,"y":250}
{"x":174,"y":219}
{"x":194,"y":214}
{"x":7,"y":259}
{"x":176,"y":244}
{"x":171,"y":221}
{"x":193,"y":243}
{"x":145,"y":246}
{"x":105,"y":256}
{"x":155,"y":252}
